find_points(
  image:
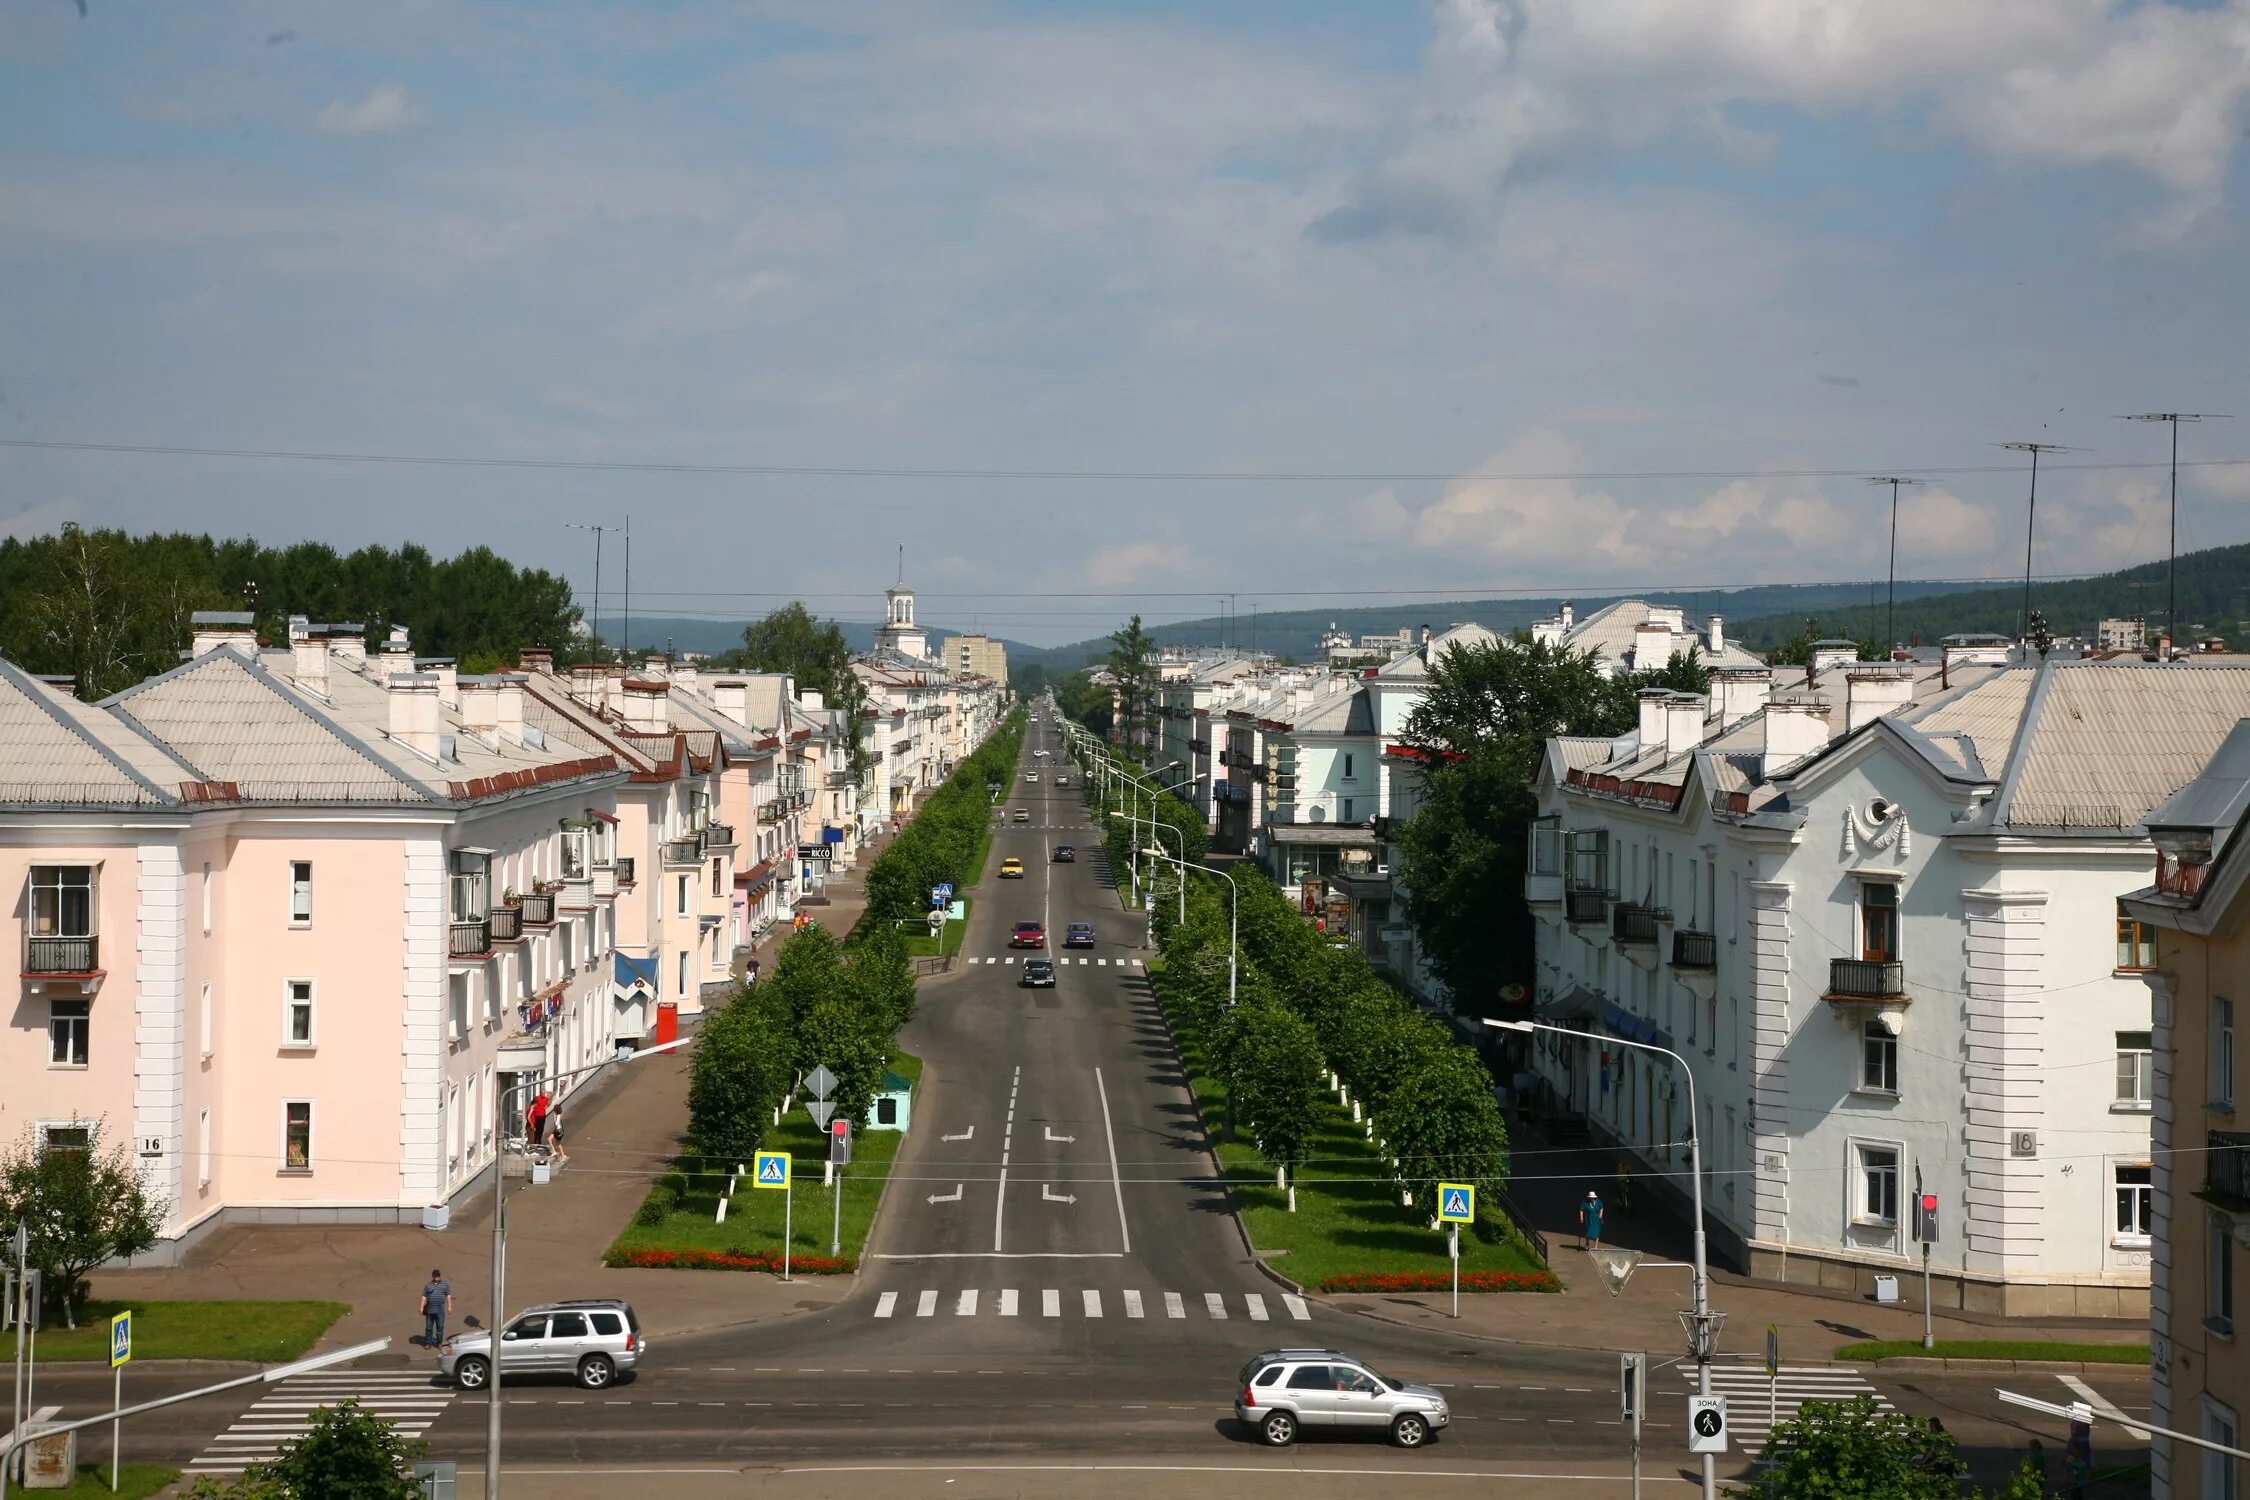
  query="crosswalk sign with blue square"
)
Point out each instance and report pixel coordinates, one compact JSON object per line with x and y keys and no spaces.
{"x":773,"y":1169}
{"x":1457,"y":1202}
{"x":120,"y":1338}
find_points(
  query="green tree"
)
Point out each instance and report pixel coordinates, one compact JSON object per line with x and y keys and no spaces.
{"x":851,"y":1041}
{"x":85,"y":1205}
{"x":1132,"y":662}
{"x":346,"y":1453}
{"x":1280,"y":1087}
{"x":815,"y":653}
{"x":742,"y":1068}
{"x":1852,"y":1450}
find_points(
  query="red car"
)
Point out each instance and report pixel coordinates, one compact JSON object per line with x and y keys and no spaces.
{"x":1028,"y":935}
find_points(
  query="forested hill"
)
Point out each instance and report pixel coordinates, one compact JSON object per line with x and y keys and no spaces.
{"x":2214,"y":589}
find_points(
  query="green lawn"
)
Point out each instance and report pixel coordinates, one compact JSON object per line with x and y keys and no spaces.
{"x":2092,"y":1354}
{"x":134,"y":1482}
{"x":922,"y":945}
{"x":754,"y":1218}
{"x":263,"y":1332}
{"x":1349,"y":1221}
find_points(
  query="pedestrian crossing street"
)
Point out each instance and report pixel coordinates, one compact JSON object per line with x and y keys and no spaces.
{"x":409,"y":1399}
{"x":1064,"y":960}
{"x":1009,"y":1302}
{"x":1746,"y":1390}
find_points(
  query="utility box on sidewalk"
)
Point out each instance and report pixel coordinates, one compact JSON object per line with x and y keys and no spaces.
{"x":1886,"y":1289}
{"x":667,"y":1021}
{"x":51,"y":1462}
{"x":437,"y":1216}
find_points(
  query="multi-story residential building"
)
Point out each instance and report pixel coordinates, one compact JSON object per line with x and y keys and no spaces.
{"x":2194,"y":1196}
{"x":292,"y":921}
{"x":1876,"y":912}
{"x":977,"y":655}
{"x":924,"y":716}
{"x":1633,"y":635}
{"x":1183,"y":748}
{"x":2122,"y":635}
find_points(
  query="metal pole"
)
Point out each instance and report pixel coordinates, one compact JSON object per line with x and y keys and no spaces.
{"x":2030,"y":523}
{"x":116,"y":1426}
{"x":20,"y":1293}
{"x":788,"y":1211}
{"x":1929,"y":1340}
{"x":1453,"y":1248}
{"x":1640,"y":1400}
{"x":836,"y":1231}
{"x":499,"y":1285}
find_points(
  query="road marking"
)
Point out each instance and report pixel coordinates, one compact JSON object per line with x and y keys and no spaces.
{"x":1257,"y":1306}
{"x":1008,"y":1303}
{"x":1132,"y":1304}
{"x":965,"y":1305}
{"x":926,"y":1305}
{"x":1116,"y":1182}
{"x":2102,"y":1406}
{"x":1103,"y":962}
{"x":952,"y":1197}
{"x":1050,"y":1303}
{"x":966,"y":1135}
{"x":1093,"y":1300}
{"x":1007,"y":1138}
{"x":1173,"y":1306}
{"x":1296,"y":1306}
{"x":1215,"y":1305}
{"x":1047,"y":1194}
{"x":1060,"y":1140}
{"x":886,"y":1304}
{"x":1011,"y":958}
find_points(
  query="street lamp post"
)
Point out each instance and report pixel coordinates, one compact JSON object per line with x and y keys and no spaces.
{"x":1135,"y":817}
{"x":1234,"y":911}
{"x":500,"y":1099}
{"x":1702,"y":1329}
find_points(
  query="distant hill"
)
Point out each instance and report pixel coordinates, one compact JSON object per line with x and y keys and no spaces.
{"x":2214,"y":587}
{"x":1297,"y":632}
{"x":655,"y":632}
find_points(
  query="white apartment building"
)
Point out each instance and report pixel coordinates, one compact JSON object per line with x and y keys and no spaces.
{"x":1633,"y":635}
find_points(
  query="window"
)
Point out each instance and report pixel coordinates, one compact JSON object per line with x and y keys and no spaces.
{"x":66,"y":1137}
{"x":300,"y":892}
{"x":2136,"y":945}
{"x":1878,"y":1054}
{"x":575,"y":859}
{"x":457,"y":1007}
{"x":2218,"y":1274}
{"x":683,"y":974}
{"x":62,"y":901}
{"x":470,"y":885}
{"x":1349,"y":814}
{"x":2222,"y":1054}
{"x":2222,"y":1474}
{"x":297,"y":1014}
{"x":716,"y":867}
{"x":296,"y":1136}
{"x":568,"y":1325}
{"x":2135,"y":1071}
{"x":566,"y":942}
{"x":207,"y":899}
{"x":1311,"y":1378}
{"x":1349,"y":774}
{"x":1547,"y":847}
{"x":606,"y":1324}
{"x":680,"y":905}
{"x":1589,"y":858}
{"x":203,"y":1149}
{"x":1878,"y":916}
{"x":2136,"y":1203}
{"x":1876,"y":1191}
{"x":533,"y":1327}
{"x":67,"y":1023}
{"x":203,"y":1019}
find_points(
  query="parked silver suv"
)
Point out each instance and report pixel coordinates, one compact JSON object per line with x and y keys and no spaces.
{"x":1286,"y":1390}
{"x":592,"y":1342}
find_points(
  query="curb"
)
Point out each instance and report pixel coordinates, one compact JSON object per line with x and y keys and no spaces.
{"x":1916,"y":1364}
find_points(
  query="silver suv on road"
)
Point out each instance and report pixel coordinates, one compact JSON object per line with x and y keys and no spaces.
{"x":1285,"y":1391}
{"x":591,"y":1342}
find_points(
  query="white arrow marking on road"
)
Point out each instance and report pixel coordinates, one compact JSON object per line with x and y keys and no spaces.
{"x":1173,"y":1306}
{"x":885,"y":1304}
{"x":1215,"y":1305}
{"x":965,"y":1306}
{"x":1093,"y":1303}
{"x":968,"y":1134}
{"x":926,"y":1305}
{"x":1064,"y":1140}
{"x":1048,"y":1194}
{"x":1296,"y":1306}
{"x":2102,"y":1407}
{"x":1132,"y":1304}
{"x":952,"y":1197}
{"x":1050,"y":1303}
{"x":1008,"y":1303}
{"x":1257,"y":1307}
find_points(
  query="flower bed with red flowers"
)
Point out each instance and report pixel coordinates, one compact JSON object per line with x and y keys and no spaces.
{"x":727,"y":1260}
{"x":1441,"y":1281}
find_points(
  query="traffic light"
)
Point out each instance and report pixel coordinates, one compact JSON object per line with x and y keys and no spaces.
{"x":1925,"y":1218}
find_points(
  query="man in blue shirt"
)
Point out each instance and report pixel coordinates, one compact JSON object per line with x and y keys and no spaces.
{"x":437,"y":1301}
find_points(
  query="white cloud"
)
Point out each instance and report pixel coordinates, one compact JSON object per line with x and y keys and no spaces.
{"x":383,"y":111}
{"x":1124,"y":564}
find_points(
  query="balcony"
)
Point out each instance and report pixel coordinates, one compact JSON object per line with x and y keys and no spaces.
{"x":2226,"y":1171}
{"x":718,"y":836}
{"x":605,"y":881}
{"x":1878,"y":979}
{"x":683,"y":851}
{"x":506,"y":923}
{"x":838,"y":781}
{"x":539,"y":909}
{"x":1694,"y":950}
{"x":577,"y":893}
{"x":1584,"y":904}
{"x":625,"y":873}
{"x":771,"y":812}
{"x":1631,"y":922}
{"x":61,"y":955}
{"x":469,"y":939}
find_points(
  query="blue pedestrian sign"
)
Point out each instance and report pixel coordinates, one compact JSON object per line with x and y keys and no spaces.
{"x":120,"y":1338}
{"x":773,"y":1169}
{"x":1457,"y":1202}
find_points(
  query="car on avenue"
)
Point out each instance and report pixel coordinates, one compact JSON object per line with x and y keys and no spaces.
{"x":1284,"y":1392}
{"x":1062,"y":781}
{"x":1065,"y":855}
{"x":1030,"y":778}
{"x":594,"y":1342}
{"x":1011,"y":868}
{"x":1038,"y":973}
{"x":1079,"y":935}
{"x":1028,"y":935}
{"x":1023,"y":815}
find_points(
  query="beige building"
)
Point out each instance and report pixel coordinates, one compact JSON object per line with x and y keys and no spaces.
{"x":976,"y":655}
{"x":2192,"y":919}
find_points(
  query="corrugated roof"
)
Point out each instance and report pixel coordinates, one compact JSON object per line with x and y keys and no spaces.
{"x":1988,"y":711}
{"x":2109,"y":741}
{"x":53,"y":754}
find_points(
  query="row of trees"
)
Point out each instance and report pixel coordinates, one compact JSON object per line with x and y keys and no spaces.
{"x":112,"y":608}
{"x":942,"y":843}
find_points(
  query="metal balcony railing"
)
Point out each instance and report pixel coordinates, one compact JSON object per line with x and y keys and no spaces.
{"x":539,"y":909}
{"x":718,"y":836}
{"x":61,"y":955}
{"x":770,"y":812}
{"x":506,"y":923}
{"x":683,"y":851}
{"x":1632,"y":922}
{"x":1695,"y":950}
{"x":625,"y":870}
{"x":1585,"y":904}
{"x":469,"y":939}
{"x":1866,"y":978}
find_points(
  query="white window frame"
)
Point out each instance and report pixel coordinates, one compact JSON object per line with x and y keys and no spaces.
{"x":577,"y":854}
{"x":1863,"y":1212}
{"x":1874,"y":1035}
{"x":206,"y":898}
{"x":300,"y":913}
{"x":83,"y":1029}
{"x":683,"y":968}
{"x":2222,"y":1473}
{"x":289,"y":1003}
{"x":458,"y":999}
{"x":312,"y":1126}
{"x":1549,"y":854}
{"x":680,"y":903}
{"x":2137,"y":1235}
{"x":2142,"y":1099}
{"x":47,"y":1129}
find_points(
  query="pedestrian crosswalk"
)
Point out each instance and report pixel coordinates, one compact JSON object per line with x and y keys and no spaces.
{"x":1088,"y":1302}
{"x":1752,"y":1403}
{"x":1064,"y":960}
{"x":409,"y":1399}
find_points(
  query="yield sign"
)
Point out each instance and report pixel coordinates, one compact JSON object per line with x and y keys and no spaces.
{"x":822,"y":1083}
{"x":820,"y":1110}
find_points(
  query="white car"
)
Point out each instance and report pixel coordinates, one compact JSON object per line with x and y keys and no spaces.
{"x":1030,"y":776}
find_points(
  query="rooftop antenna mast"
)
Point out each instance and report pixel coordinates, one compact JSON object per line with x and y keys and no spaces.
{"x":1890,"y":609}
{"x":2031,"y":521}
{"x":596,"y":640}
{"x":2172,"y":567}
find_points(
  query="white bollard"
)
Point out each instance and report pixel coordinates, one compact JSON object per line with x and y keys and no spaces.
{"x":1355,"y":1112}
{"x":1281,"y":1177}
{"x":722,"y":1218}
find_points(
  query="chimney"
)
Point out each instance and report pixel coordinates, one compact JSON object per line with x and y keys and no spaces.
{"x":731,"y":695}
{"x":1827,"y":654}
{"x":653,"y":667}
{"x":480,"y":707}
{"x":1796,"y":726}
{"x":586,"y":684}
{"x":535,"y":659}
{"x":1569,"y":615}
{"x":345,"y":644}
{"x":511,"y":706}
{"x":1683,"y":722}
{"x":1870,"y":695}
{"x":442,"y":668}
{"x":1652,"y":645}
{"x":685,"y":674}
{"x":1742,"y":692}
{"x":414,"y":712}
{"x":309,"y":658}
{"x":1653,"y":705}
{"x":214,"y":628}
{"x":1715,"y":636}
{"x":811,"y":701}
{"x":398,"y":655}
{"x":645,"y":708}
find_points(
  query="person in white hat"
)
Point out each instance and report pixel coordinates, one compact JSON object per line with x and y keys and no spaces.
{"x":1590,"y":1222}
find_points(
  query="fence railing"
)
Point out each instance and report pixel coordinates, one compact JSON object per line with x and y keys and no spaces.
{"x":61,"y":955}
{"x":1866,"y":978}
{"x":1694,"y":950}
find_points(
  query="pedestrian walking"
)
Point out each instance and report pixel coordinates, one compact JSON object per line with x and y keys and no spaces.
{"x":555,"y":1133}
{"x":1590,"y":1222}
{"x":437,"y":1301}
{"x":535,"y":1122}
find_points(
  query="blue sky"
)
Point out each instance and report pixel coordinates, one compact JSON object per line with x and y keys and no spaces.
{"x":1482,"y":237}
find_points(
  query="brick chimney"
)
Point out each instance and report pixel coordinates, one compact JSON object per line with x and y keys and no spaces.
{"x":1870,"y":695}
{"x":511,"y":706}
{"x":685,"y":675}
{"x":480,"y":707}
{"x":347,"y":646}
{"x":398,"y":655}
{"x":1569,"y":615}
{"x":1715,"y":636}
{"x":1653,"y":705}
{"x":1683,"y":722}
{"x":414,"y":712}
{"x":731,"y":696}
{"x":308,"y":657}
{"x":588,"y":684}
{"x":1796,"y":725}
{"x":1652,"y":645}
{"x":1742,"y":692}
{"x":535,"y":659}
{"x":442,"y":668}
{"x":654,"y":668}
{"x":645,"y":708}
{"x":214,"y":628}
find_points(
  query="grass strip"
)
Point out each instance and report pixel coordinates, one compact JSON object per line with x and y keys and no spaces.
{"x":2028,"y":1349}
{"x":134,"y":1481}
{"x":261,"y":1332}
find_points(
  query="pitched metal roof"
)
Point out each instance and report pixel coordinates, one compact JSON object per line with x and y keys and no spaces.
{"x":2106,"y":742}
{"x":56,"y":752}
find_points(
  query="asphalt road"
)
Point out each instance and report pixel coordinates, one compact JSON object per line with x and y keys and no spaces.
{"x":1055,"y":1297}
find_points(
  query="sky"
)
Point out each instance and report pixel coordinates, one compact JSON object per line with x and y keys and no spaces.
{"x":1098,"y":308}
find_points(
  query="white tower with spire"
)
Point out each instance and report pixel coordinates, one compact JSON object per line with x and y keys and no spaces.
{"x":899,"y":632}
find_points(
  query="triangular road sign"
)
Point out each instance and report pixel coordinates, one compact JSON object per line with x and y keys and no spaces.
{"x":820,"y":1110}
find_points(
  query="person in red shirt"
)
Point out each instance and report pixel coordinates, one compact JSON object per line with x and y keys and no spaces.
{"x":535,"y":1121}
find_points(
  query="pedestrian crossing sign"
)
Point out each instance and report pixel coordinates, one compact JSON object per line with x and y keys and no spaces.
{"x":120,"y":1338}
{"x":1457,"y":1202}
{"x":773,"y":1169}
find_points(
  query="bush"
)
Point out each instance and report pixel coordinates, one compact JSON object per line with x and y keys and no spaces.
{"x":656,"y":1208}
{"x":730,"y":1260}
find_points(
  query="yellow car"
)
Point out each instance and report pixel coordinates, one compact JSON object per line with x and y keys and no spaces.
{"x":1011,"y":869}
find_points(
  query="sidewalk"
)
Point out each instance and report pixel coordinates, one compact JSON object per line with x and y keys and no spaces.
{"x":622,"y":1132}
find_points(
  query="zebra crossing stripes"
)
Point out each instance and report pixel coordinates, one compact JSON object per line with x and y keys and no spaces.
{"x":1749,"y":1397}
{"x":1132,"y":1304}
{"x":409,"y":1399}
{"x":1088,"y":1302}
{"x":1065,"y":960}
{"x":1174,"y":1306}
{"x":1257,"y":1306}
{"x":1215,"y":1305}
{"x":1093,"y":1303}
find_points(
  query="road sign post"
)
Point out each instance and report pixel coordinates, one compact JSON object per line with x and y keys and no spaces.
{"x":120,"y":1355}
{"x":839,"y":1157}
{"x":1456,"y":1205}
{"x":1925,"y":1230}
{"x":1632,"y":1396}
{"x":773,"y":1174}
{"x":1773,"y":1377}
